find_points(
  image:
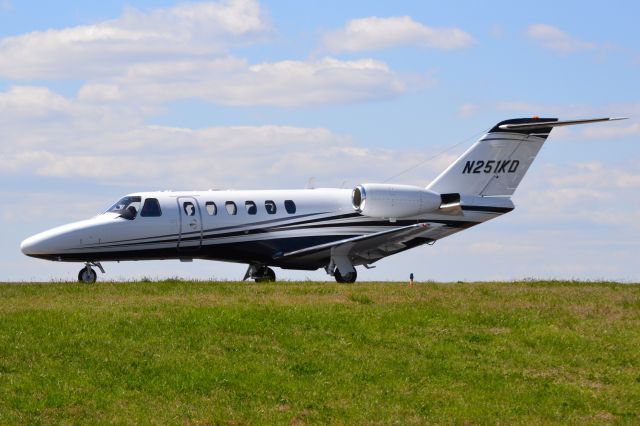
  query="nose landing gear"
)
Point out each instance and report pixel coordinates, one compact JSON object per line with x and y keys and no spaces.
{"x":87,"y":275}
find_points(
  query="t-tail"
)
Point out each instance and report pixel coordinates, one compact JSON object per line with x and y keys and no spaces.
{"x":496,"y":164}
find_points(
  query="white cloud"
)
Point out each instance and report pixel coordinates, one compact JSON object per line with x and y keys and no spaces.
{"x":231,"y":81}
{"x":591,"y":193}
{"x":31,"y":101}
{"x":597,"y":175}
{"x":611,"y":132}
{"x":108,"y":145}
{"x":146,"y":58}
{"x":375,"y":33}
{"x":107,"y":47}
{"x":552,"y":38}
{"x":468,"y":110}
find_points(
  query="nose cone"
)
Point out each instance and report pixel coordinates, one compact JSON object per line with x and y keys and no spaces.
{"x":55,"y":242}
{"x":66,"y":242}
{"x":37,"y":245}
{"x":29,"y":246}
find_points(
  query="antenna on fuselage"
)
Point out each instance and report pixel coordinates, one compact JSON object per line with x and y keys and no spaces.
{"x":447,"y":149}
{"x":311,"y":183}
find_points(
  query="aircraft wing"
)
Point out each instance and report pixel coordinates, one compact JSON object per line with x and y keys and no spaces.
{"x":368,"y":248}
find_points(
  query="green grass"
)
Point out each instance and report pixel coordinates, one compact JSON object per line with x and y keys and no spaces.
{"x":178,"y":352}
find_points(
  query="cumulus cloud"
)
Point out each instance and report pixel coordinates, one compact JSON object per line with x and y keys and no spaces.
{"x":136,"y":37}
{"x":146,"y":58}
{"x":591,"y":193}
{"x":375,"y":33}
{"x":108,"y":145}
{"x":596,"y":175}
{"x":230,"y":81}
{"x":554,"y":39}
{"x":613,"y":132}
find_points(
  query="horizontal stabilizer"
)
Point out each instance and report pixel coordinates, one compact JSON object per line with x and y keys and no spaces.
{"x":538,"y":124}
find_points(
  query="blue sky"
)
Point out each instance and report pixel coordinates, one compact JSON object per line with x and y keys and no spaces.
{"x":99,"y":100}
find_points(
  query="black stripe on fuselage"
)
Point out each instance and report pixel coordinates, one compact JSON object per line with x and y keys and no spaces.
{"x":246,"y":229}
{"x":241,"y":252}
{"x":212,"y":237}
{"x":238,"y":252}
{"x":220,"y":228}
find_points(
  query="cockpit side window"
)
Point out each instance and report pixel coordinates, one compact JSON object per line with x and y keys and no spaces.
{"x":151,"y":208}
{"x":126,"y":207}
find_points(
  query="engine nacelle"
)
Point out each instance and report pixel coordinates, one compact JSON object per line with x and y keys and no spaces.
{"x":394,"y":201}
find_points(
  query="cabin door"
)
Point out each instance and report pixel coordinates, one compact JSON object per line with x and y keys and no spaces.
{"x":190,"y":224}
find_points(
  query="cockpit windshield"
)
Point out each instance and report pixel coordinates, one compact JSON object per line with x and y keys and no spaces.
{"x":126,"y":207}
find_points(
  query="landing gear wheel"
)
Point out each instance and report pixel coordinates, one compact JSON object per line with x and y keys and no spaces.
{"x":266,"y":275}
{"x":347,"y":278}
{"x":87,"y":275}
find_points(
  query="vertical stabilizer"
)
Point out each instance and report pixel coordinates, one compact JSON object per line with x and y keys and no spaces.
{"x":497,"y":162}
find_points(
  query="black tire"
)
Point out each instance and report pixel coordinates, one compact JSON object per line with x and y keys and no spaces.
{"x":348,"y":278}
{"x":87,"y":276}
{"x":268,"y":275}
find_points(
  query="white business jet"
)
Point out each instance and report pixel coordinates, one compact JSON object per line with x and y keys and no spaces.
{"x":334,"y":229}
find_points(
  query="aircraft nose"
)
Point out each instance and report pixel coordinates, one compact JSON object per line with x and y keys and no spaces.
{"x":31,"y":246}
{"x":41,"y":245}
{"x":51,"y":244}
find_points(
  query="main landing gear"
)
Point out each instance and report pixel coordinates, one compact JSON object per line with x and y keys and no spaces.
{"x":260,"y":273}
{"x":87,"y":275}
{"x":349,"y":277}
{"x":341,"y":267}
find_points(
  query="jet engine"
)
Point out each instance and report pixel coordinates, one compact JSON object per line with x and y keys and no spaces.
{"x":395,"y":201}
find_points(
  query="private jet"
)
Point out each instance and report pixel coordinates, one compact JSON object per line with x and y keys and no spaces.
{"x":334,"y":229}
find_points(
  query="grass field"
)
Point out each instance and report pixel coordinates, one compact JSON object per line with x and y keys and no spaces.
{"x":178,"y":352}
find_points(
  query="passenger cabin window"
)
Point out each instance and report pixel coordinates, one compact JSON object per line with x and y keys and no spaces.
{"x":290,"y":206}
{"x":251,"y":207}
{"x":151,"y":208}
{"x":270,"y":207}
{"x":231,"y":207}
{"x":212,"y":209}
{"x":189,"y":208}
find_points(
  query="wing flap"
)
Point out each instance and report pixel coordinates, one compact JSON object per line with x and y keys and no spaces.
{"x":383,"y":242}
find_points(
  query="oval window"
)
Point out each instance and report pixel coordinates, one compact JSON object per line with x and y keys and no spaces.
{"x":231,"y":207}
{"x":251,"y":207}
{"x":290,"y":206}
{"x":212,"y":209}
{"x":270,"y":206}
